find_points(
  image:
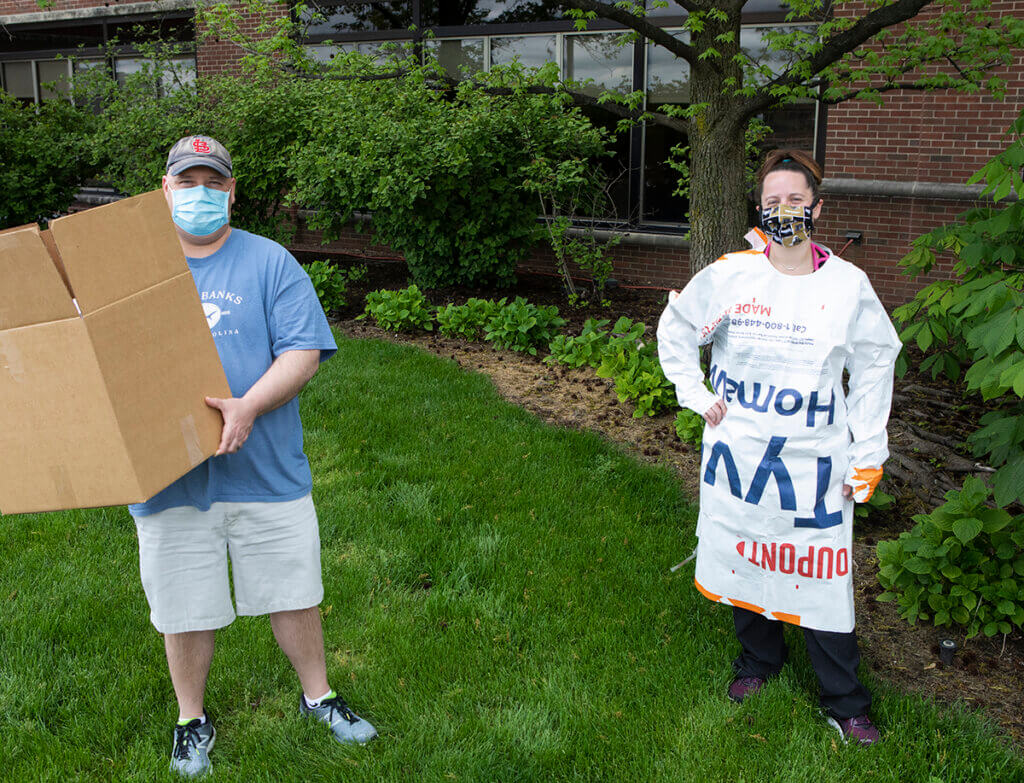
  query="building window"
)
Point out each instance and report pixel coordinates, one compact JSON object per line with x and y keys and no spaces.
{"x":38,"y":63}
{"x":459,"y":56}
{"x":532,"y":51}
{"x":475,"y":35}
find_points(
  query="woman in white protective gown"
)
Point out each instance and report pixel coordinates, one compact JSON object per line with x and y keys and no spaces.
{"x":787,"y":449}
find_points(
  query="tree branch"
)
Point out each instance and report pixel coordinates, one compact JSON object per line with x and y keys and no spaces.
{"x":649,"y":31}
{"x":836,"y":47}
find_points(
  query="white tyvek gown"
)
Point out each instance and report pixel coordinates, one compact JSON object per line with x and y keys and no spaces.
{"x":774,"y":530}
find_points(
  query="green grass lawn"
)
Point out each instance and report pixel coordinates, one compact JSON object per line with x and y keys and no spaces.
{"x":498,"y":604}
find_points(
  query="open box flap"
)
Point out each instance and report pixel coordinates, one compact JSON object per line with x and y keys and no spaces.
{"x":116,"y":250}
{"x":32,"y":291}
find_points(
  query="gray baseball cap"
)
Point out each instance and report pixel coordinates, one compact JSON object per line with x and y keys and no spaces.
{"x":198,"y":151}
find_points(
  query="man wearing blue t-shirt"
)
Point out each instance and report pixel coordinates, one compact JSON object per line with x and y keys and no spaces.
{"x":251,"y":500}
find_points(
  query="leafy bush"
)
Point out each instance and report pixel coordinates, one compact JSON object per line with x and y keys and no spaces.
{"x":626,"y":333}
{"x":356,"y":273}
{"x":690,"y":427}
{"x":961,"y":564}
{"x":404,"y":310}
{"x":45,"y":158}
{"x":586,"y":349}
{"x":879,"y":501}
{"x":524,"y":327}
{"x":638,"y":376}
{"x":976,"y":320}
{"x":441,"y":172}
{"x":467,"y":320}
{"x":330,"y":283}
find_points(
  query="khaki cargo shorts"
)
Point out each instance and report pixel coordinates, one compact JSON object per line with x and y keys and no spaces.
{"x":183,"y":557}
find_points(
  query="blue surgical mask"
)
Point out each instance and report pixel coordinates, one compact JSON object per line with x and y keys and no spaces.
{"x":200,"y":211}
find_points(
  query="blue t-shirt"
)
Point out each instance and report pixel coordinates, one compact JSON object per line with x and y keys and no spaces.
{"x":259,"y":303}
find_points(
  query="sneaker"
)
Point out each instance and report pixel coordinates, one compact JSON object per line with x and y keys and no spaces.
{"x":860,"y":729}
{"x":742,"y":687}
{"x":345,"y":724}
{"x":190,"y":754}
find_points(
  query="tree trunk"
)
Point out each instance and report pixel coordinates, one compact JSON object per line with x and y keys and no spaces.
{"x":718,"y":198}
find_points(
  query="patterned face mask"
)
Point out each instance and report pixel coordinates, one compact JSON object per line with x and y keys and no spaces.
{"x":787,"y":226}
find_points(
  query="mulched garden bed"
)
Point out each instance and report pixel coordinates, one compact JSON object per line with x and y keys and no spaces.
{"x":929,"y":423}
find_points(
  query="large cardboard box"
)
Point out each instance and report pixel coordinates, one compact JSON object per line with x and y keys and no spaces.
{"x":102,"y":404}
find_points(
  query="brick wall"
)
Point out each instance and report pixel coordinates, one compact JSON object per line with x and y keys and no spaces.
{"x":941,"y":136}
{"x":31,"y":7}
{"x":215,"y":55}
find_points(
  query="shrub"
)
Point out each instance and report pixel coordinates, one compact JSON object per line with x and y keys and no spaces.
{"x":586,"y":349}
{"x":879,"y":501}
{"x":975,"y":321}
{"x":441,"y":172}
{"x":524,"y":327}
{"x":961,"y":564}
{"x":356,"y":273}
{"x":467,"y":320}
{"x":639,"y":378}
{"x":404,"y":310}
{"x":634,"y":366}
{"x":690,"y":427}
{"x":45,"y":158}
{"x":330,"y":284}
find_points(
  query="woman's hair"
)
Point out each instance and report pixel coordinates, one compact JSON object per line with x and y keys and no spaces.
{"x":789,"y":160}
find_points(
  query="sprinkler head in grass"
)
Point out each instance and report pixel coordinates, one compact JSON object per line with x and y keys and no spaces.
{"x":947,"y":649}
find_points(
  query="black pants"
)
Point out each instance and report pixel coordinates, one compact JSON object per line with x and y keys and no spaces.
{"x":835,"y":658}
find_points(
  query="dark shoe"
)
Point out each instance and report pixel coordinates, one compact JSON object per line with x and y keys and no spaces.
{"x":742,"y":687}
{"x":859,"y":729}
{"x":190,"y":754}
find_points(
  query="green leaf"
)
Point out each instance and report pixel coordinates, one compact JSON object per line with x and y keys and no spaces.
{"x":994,"y":519}
{"x":1007,"y":607}
{"x":951,"y":571}
{"x":960,"y":615}
{"x":917,"y":566}
{"x":1008,"y":482}
{"x":924,"y":338}
{"x":967,"y":528}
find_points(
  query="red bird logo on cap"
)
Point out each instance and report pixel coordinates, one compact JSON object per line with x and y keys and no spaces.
{"x":201,"y":146}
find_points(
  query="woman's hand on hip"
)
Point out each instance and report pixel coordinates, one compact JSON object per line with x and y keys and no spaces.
{"x":715,"y":413}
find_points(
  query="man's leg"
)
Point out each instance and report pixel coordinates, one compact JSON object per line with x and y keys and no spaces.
{"x":275,"y":552}
{"x":301,"y":638}
{"x":188,"y":657}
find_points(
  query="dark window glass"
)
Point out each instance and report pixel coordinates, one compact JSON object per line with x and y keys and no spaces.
{"x":459,"y":56}
{"x":532,"y":51}
{"x":668,"y":84}
{"x":90,"y":35}
{"x":660,"y":179}
{"x":327,"y":18}
{"x":605,"y":60}
{"x":456,"y":13}
{"x":613,"y":207}
{"x":162,"y":29}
